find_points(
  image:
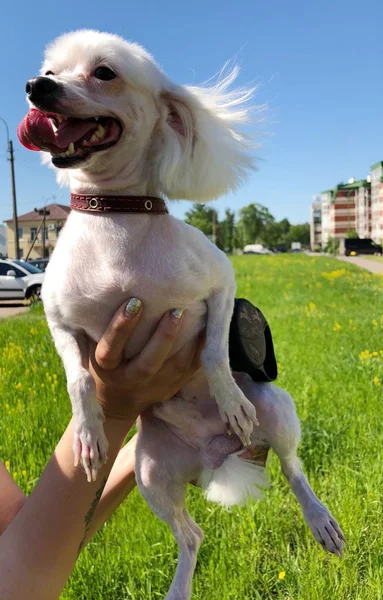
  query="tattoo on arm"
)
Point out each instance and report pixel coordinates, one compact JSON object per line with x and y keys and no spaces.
{"x":90,"y":513}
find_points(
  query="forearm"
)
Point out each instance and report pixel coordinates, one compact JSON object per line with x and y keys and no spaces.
{"x":39,"y":548}
{"x":120,"y":483}
{"x":11,"y":498}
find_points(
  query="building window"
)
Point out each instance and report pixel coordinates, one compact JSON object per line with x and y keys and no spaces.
{"x":21,"y":253}
{"x":33,"y":233}
{"x":20,"y":233}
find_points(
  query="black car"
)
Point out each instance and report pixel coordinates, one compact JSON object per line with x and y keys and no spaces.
{"x":40,"y":263}
{"x":353,"y":247}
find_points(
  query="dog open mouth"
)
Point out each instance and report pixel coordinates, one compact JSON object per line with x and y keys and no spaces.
{"x":69,"y":140}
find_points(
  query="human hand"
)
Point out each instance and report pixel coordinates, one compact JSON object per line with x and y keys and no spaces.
{"x":125,"y":389}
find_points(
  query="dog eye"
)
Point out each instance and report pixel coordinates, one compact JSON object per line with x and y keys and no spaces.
{"x":49,"y":73}
{"x":104,"y":73}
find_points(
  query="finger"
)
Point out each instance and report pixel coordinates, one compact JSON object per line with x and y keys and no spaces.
{"x":151,"y":358}
{"x":110,"y":348}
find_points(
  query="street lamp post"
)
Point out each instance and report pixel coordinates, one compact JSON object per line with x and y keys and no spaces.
{"x":14,"y":203}
{"x":43,"y":212}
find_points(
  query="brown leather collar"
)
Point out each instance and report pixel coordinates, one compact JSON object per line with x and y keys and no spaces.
{"x":121,"y":204}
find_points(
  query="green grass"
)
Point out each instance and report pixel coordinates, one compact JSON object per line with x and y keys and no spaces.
{"x":323,"y":315}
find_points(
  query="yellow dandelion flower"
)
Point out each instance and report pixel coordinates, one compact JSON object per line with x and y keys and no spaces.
{"x":282,"y":575}
{"x":374,"y":322}
{"x":337,"y":326}
{"x":24,"y":473}
{"x":8,"y":465}
{"x":19,"y":386}
{"x":376,"y":380}
{"x":14,"y":475}
{"x":44,"y":430}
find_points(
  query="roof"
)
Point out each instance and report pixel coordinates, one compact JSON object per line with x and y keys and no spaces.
{"x":58,"y":212}
{"x":376,"y":165}
{"x":348,"y":186}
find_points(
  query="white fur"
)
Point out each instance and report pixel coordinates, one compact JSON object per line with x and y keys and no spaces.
{"x":236,"y":482}
{"x":208,"y":161}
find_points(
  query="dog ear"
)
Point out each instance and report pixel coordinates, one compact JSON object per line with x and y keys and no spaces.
{"x":200,"y":154}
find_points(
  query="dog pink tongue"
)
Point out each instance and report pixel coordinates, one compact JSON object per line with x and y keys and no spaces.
{"x":36,"y":132}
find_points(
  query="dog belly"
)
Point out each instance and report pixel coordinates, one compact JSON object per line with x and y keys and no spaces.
{"x":195,"y":419}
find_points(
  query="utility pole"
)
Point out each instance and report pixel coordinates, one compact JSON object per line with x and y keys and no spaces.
{"x":14,"y":202}
{"x":44,"y":213}
{"x":214,"y":228}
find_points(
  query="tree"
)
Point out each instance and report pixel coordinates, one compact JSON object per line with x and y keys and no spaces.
{"x":227,"y":231}
{"x":201,"y":217}
{"x":275,"y":232}
{"x":352,"y":235}
{"x":252,"y":221}
{"x":300,"y":233}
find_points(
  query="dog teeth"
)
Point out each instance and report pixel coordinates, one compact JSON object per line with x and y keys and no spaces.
{"x":94,"y":138}
{"x":70,"y":149}
{"x":100,"y":132}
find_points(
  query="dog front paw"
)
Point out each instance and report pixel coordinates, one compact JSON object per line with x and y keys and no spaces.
{"x":90,"y":447}
{"x":239,"y":414}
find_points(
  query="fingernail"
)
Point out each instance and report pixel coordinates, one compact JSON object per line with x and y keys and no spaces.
{"x":133,"y":307}
{"x":177,"y":312}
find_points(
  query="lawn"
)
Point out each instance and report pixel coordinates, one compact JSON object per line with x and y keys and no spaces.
{"x":327,"y":322}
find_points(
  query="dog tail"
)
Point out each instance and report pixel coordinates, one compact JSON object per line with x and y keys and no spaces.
{"x":236,"y":481}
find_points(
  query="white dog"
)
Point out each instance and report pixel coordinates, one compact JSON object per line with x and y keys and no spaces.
{"x":109,"y":116}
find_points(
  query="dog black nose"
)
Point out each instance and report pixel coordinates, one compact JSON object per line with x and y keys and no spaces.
{"x":40,"y":87}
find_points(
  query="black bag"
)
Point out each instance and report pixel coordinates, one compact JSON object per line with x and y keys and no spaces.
{"x":251,"y":348}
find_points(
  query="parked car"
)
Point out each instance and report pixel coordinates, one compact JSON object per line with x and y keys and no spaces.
{"x":40,"y":263}
{"x":19,"y":279}
{"x":353,"y":247}
{"x":256,"y":249}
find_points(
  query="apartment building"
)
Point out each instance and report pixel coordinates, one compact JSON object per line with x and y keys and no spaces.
{"x":36,"y":231}
{"x":355,"y":206}
{"x":316,"y":222}
{"x":377,"y":202}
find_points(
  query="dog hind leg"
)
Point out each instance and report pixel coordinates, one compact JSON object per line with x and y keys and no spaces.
{"x":164,"y":466}
{"x":279,"y":421}
{"x":167,"y":501}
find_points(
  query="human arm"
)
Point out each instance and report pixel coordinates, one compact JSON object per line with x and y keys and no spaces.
{"x":43,"y":540}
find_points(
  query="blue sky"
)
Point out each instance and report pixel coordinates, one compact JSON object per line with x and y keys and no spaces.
{"x":318,"y":66}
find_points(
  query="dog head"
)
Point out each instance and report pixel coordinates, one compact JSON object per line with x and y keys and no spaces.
{"x":106,"y":113}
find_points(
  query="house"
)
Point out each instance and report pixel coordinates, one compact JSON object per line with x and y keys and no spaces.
{"x":38,"y":230}
{"x":3,"y":241}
